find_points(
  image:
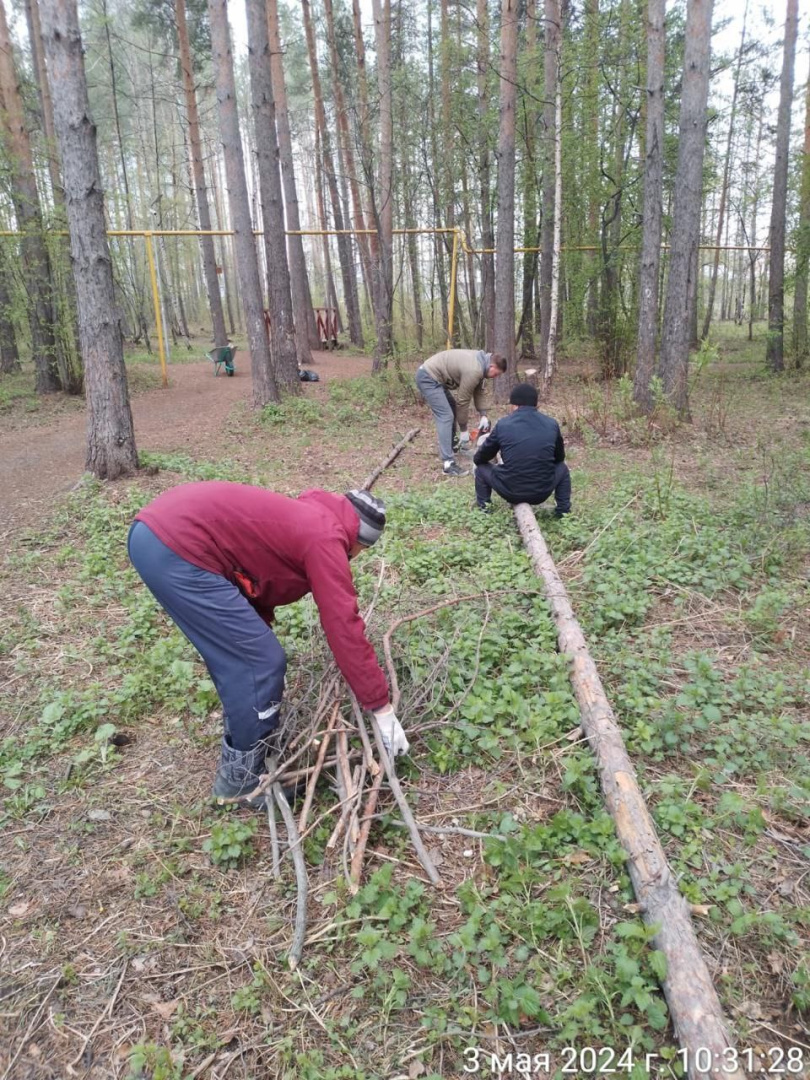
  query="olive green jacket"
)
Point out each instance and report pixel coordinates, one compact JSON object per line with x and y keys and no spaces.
{"x":464,"y":371}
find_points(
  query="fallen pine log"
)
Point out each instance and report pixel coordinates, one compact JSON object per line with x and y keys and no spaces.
{"x":376,"y":473}
{"x":694,"y":1006}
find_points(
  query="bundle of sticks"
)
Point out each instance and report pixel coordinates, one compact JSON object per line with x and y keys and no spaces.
{"x":345,"y":749}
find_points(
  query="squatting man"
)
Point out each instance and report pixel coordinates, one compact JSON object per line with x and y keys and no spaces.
{"x":219,"y":558}
{"x":532,"y":452}
{"x":463,"y":371}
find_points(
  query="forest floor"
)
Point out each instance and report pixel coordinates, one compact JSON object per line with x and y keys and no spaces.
{"x":143,"y":935}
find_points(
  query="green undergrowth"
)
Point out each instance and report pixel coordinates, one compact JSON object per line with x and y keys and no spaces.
{"x":688,"y":608}
{"x":347,"y":402}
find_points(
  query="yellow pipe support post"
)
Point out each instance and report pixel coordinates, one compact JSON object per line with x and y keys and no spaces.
{"x":150,"y":258}
{"x":451,"y":307}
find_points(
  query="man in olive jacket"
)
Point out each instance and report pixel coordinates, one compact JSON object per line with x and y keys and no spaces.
{"x":463,"y":371}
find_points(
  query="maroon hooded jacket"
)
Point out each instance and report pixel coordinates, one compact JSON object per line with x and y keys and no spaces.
{"x":275,"y":550}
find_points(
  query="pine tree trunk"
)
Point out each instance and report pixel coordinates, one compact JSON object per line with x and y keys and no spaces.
{"x":413,"y":256}
{"x":344,"y":245}
{"x":306,"y":335}
{"x":487,"y":232}
{"x":9,"y":354}
{"x":591,"y":106}
{"x":686,"y":216}
{"x":435,"y":169}
{"x":25,"y":197}
{"x":551,"y":55}
{"x":800,"y":350}
{"x":345,"y":145}
{"x":775,"y":352}
{"x":282,"y":325}
{"x":366,"y":149}
{"x":384,"y":289}
{"x":264,"y":383}
{"x":209,"y":258}
{"x":110,"y":435}
{"x":649,"y":268}
{"x":70,"y":369}
{"x":554,"y":321}
{"x":721,"y":213}
{"x":505,"y":240}
{"x":330,"y":290}
{"x":529,"y":182}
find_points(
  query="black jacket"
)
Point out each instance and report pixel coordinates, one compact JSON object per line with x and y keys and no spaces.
{"x":530,"y":444}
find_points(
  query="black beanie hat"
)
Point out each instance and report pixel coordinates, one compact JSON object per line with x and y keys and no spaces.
{"x":523,"y":394}
{"x":371,"y":512}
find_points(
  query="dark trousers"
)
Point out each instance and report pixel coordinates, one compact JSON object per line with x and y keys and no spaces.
{"x":243,"y":656}
{"x":489,"y":477}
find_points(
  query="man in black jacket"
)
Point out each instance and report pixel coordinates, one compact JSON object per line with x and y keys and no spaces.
{"x":533,"y":454}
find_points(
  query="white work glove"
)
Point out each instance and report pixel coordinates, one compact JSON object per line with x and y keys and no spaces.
{"x":393,"y":737}
{"x":464,"y":439}
{"x":484,"y":425}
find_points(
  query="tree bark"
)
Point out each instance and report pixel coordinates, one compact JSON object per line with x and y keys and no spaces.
{"x":264,"y":383}
{"x":775,"y":351}
{"x":346,"y":143}
{"x":505,"y":239}
{"x":9,"y":353}
{"x":721,"y":212}
{"x":306,"y":331}
{"x":485,"y":183}
{"x":529,"y":182}
{"x":800,"y":350}
{"x":111,"y":448}
{"x":591,"y":103}
{"x":551,"y":55}
{"x":344,"y":244}
{"x":694,"y":1007}
{"x":551,"y":347}
{"x":686,"y":216}
{"x":384,"y":288}
{"x":63,"y":283}
{"x":649,"y":268}
{"x":25,"y":197}
{"x":198,"y":173}
{"x":282,"y":325}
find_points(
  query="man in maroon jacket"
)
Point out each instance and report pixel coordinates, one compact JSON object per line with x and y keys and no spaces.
{"x":219,"y":558}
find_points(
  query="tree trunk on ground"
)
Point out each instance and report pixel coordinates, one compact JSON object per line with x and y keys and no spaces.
{"x":110,"y":435}
{"x":802,"y":246}
{"x":264,"y":383}
{"x":198,"y":172}
{"x":696,"y":1012}
{"x":25,"y":197}
{"x":306,"y":336}
{"x":551,"y":56}
{"x":282,"y":325}
{"x":686,"y":216}
{"x":487,"y":232}
{"x":775,"y":352}
{"x":721,"y":212}
{"x":9,"y":354}
{"x":505,"y":241}
{"x":344,"y":245}
{"x":384,"y":288}
{"x":650,"y":267}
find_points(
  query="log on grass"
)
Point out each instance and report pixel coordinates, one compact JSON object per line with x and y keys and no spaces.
{"x":694,"y":1006}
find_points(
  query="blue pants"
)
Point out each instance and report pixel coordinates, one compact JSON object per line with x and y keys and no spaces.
{"x":490,"y":476}
{"x":242,"y":654}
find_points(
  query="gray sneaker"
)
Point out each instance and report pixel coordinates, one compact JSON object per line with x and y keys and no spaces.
{"x":453,"y":470}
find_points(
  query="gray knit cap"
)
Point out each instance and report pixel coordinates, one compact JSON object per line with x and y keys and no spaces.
{"x":371,"y":512}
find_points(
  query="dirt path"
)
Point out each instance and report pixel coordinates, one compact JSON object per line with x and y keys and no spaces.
{"x":43,"y":459}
